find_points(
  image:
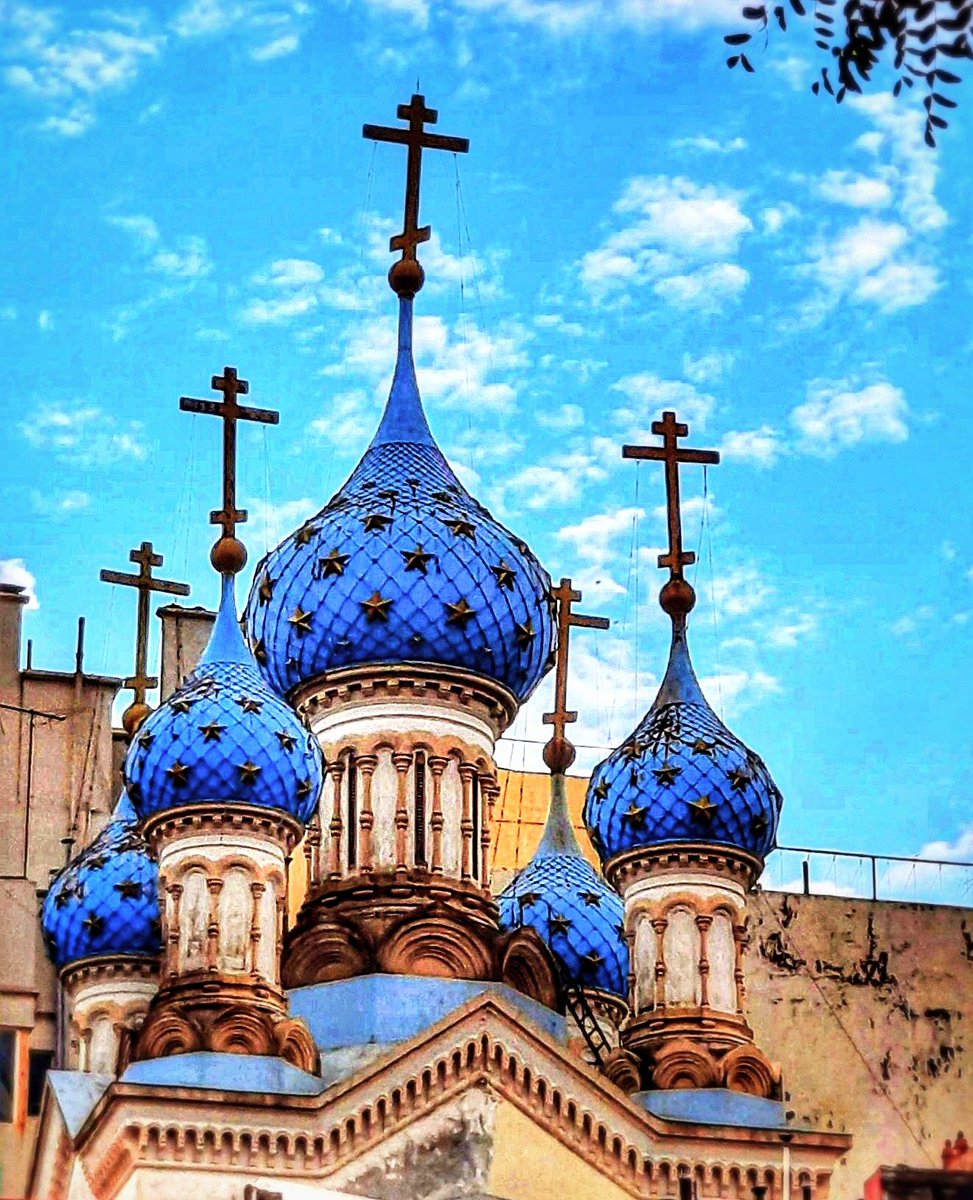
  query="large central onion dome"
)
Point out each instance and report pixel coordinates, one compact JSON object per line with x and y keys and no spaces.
{"x":224,"y":736}
{"x":401,"y":566}
{"x":682,"y":776}
{"x":106,"y":902}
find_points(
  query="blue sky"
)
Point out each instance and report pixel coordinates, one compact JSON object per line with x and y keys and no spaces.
{"x":635,"y":228}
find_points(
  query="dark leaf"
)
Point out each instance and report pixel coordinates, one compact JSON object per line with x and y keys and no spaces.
{"x":737,"y":39}
{"x":827,"y":82}
{"x":898,"y":87}
{"x":758,"y":13}
{"x":930,"y":140}
{"x":944,"y":76}
{"x":732,"y":61}
{"x":939,"y":122}
{"x":799,"y":8}
{"x":944,"y":101}
{"x":746,"y":64}
{"x":815,"y":87}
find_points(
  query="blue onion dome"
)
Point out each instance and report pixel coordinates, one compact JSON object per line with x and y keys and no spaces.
{"x":224,"y":736}
{"x":578,"y":916}
{"x":106,"y":902}
{"x":402,"y":565}
{"x":682,"y":776}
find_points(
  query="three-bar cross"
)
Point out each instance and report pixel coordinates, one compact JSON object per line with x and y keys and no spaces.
{"x":229,"y":516}
{"x":417,"y":140}
{"x":146,"y":583}
{"x":565,"y":596}
{"x":672,"y":455}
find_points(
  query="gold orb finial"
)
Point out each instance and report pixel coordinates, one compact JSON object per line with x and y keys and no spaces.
{"x":559,"y":754}
{"x":134,"y":717}
{"x":677,"y":598}
{"x":406,"y":277}
{"x":228,"y":556}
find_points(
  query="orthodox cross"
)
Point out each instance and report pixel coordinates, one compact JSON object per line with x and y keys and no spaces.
{"x":558,"y":748}
{"x":417,"y":140}
{"x":231,"y":412}
{"x":672,"y":455}
{"x":146,"y":583}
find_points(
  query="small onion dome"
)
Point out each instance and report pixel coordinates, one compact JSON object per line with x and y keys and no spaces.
{"x":402,"y":565}
{"x":578,"y":916}
{"x":682,"y":776}
{"x":106,"y":902}
{"x":224,"y":736}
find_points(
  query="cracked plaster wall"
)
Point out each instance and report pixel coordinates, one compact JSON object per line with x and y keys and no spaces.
{"x":866,"y":1006}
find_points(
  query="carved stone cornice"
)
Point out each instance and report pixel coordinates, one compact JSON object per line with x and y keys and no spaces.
{"x":216,"y":818}
{"x":412,"y":681}
{"x":678,"y":858}
{"x":100,"y":968}
{"x":224,"y":1014}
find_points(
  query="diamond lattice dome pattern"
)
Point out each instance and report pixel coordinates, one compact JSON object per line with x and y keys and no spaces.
{"x":682,"y":776}
{"x":224,"y":736}
{"x":402,"y":565}
{"x":106,"y":902}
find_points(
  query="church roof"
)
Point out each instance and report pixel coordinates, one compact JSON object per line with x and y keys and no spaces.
{"x":224,"y":736}
{"x":403,"y":565}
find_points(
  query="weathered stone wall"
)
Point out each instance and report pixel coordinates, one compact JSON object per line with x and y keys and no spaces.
{"x":866,"y":1006}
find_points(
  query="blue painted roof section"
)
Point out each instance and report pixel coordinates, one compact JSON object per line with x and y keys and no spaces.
{"x":402,"y":565}
{"x":226,"y":1072}
{"x":106,"y":902}
{"x":715,"y":1106}
{"x":386,"y":1009}
{"x":578,"y":915}
{"x":77,"y":1093}
{"x":682,"y":776}
{"x":404,"y":419}
{"x":225,"y":736}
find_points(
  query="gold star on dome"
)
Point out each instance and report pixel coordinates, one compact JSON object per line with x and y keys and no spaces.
{"x":443,"y":497}
{"x":333,"y":563}
{"x":460,"y":613}
{"x":633,"y":750}
{"x":702,"y":746}
{"x":376,"y":521}
{"x":635,"y":813}
{"x":259,"y":649}
{"x":265,"y":593}
{"x":96,"y":862}
{"x":301,"y":620}
{"x":249,"y":705}
{"x":287,"y":740}
{"x":505,"y":574}
{"x":560,"y":924}
{"x":304,"y":534}
{"x":212,"y":731}
{"x":248,"y":771}
{"x":592,"y":960}
{"x":181,"y":705}
{"x":600,"y":790}
{"x":591,"y":899}
{"x":129,"y":889}
{"x":528,"y":898}
{"x":145,"y":740}
{"x":94,"y":924}
{"x":377,"y":607}
{"x":667,"y":774}
{"x":62,"y":897}
{"x":739,"y":780}
{"x":703,"y":809}
{"x":304,"y":789}
{"x":418,"y":559}
{"x":178,"y":773}
{"x":462,"y":528}
{"x":759,"y":824}
{"x":526,"y":634}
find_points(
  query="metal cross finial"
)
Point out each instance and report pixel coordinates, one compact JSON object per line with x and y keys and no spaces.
{"x":677,"y":596}
{"x":559,"y":753}
{"x":145,"y":581}
{"x":406,"y":281}
{"x":229,"y":554}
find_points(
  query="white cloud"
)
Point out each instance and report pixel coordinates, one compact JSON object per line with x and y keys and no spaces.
{"x":187,"y":257}
{"x":278,"y":48}
{"x":857,"y":191}
{"x":912,"y":622}
{"x":348,"y":419}
{"x":596,"y":537}
{"x":651,"y":396}
{"x":761,"y":446}
{"x":708,"y":368}
{"x":45,"y":321}
{"x":291,"y":273}
{"x":740,"y":592}
{"x":273,"y":28}
{"x":85,"y":435}
{"x":270,"y":523}
{"x":676,"y":236}
{"x":575,"y":18}
{"x":540,"y":486}
{"x":568,"y":416}
{"x":777,"y":216}
{"x":710,"y":145}
{"x":14,"y":571}
{"x":59,"y":505}
{"x":836,"y":416}
{"x":793,"y":629}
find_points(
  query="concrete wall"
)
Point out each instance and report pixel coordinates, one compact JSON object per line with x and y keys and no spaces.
{"x":867,"y":1006}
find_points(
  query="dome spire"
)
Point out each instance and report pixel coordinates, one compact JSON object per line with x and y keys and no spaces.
{"x":404,"y":419}
{"x":407,"y":276}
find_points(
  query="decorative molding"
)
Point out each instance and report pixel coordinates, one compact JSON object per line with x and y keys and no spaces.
{"x":212,"y":820}
{"x":624,"y":870}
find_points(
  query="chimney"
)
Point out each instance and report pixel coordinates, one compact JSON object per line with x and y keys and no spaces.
{"x":12,"y":601}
